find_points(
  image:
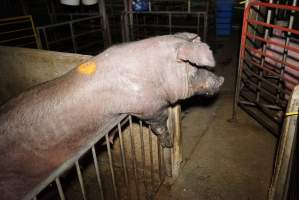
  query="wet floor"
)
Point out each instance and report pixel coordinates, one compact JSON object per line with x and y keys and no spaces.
{"x":222,"y":160}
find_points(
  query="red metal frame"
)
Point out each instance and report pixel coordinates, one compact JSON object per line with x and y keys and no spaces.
{"x":265,"y":41}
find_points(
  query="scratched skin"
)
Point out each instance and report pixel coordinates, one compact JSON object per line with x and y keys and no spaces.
{"x":46,"y":125}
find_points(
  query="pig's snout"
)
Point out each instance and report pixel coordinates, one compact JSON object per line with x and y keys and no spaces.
{"x":205,"y":83}
{"x":214,"y":85}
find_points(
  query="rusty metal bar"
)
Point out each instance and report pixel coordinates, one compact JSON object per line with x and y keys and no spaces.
{"x":79,"y":174}
{"x":123,"y":156}
{"x":115,"y":192}
{"x":96,"y":165}
{"x":60,"y":190}
{"x":134,"y":157}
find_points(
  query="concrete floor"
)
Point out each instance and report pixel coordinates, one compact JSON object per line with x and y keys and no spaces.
{"x":222,"y":160}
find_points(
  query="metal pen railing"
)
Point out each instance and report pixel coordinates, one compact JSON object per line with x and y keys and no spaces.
{"x":18,"y":31}
{"x":84,"y":35}
{"x":135,"y":170}
{"x":268,"y":63}
{"x":139,"y":25}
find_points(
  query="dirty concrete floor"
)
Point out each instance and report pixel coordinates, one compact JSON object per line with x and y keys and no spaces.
{"x":222,"y":160}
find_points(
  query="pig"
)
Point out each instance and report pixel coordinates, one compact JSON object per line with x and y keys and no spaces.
{"x":274,"y":53}
{"x":46,"y":125}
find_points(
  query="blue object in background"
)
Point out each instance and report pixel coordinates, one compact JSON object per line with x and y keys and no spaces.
{"x":224,"y":12}
{"x":140,"y":5}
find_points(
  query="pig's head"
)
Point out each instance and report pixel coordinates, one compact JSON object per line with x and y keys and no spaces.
{"x":204,"y":82}
{"x":197,"y":56}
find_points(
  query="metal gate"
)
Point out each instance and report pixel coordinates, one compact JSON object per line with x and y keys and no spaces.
{"x":269,"y":61}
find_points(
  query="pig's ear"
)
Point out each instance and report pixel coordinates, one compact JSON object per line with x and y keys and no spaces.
{"x":196,"y":53}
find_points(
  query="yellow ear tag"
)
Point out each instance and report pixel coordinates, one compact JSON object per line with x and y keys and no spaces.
{"x":87,"y":68}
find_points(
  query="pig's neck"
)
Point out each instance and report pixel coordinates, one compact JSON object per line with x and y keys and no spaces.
{"x":176,"y":82}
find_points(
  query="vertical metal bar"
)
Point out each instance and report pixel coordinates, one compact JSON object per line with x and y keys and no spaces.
{"x":151,"y":156}
{"x":111,"y":167}
{"x":198,"y":23}
{"x":60,"y":190}
{"x":46,"y":38}
{"x":170,"y":23}
{"x":159,"y":159}
{"x":189,"y":6}
{"x":285,"y":54}
{"x":123,"y":156}
{"x":80,"y":180}
{"x":239,"y":69}
{"x":134,"y":156}
{"x":260,"y":73}
{"x":142,"y":154}
{"x":96,"y":165}
{"x":205,"y":30}
{"x":73,"y":37}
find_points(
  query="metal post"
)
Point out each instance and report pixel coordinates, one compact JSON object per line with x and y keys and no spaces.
{"x":60,"y":190}
{"x":96,"y":165}
{"x":80,"y":180}
{"x":111,"y":167}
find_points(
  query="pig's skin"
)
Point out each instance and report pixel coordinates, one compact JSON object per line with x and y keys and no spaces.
{"x":42,"y":127}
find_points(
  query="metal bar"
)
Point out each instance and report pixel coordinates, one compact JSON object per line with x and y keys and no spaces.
{"x":166,"y":12}
{"x":142,"y":154}
{"x":134,"y":157}
{"x":14,"y":31}
{"x":80,"y":180}
{"x":68,"y":22}
{"x":46,"y":38}
{"x":15,"y":22}
{"x":73,"y":38}
{"x":271,"y":5}
{"x":170,"y":23}
{"x":239,"y":69}
{"x":38,"y":44}
{"x":285,"y":51}
{"x":294,"y":67}
{"x":115,"y":192}
{"x":60,"y":190}
{"x":96,"y":165}
{"x":151,"y":156}
{"x":264,"y":48}
{"x":205,"y":27}
{"x":291,"y":48}
{"x":268,"y":25}
{"x":123,"y":155}
{"x":14,"y":39}
{"x":159,"y":159}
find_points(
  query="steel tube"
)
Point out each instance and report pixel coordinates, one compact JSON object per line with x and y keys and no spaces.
{"x":115,"y":192}
{"x":79,"y":174}
{"x":96,"y":165}
{"x":60,"y":190}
